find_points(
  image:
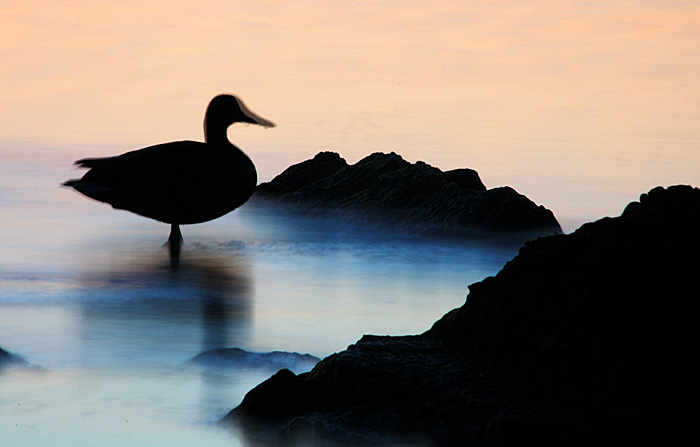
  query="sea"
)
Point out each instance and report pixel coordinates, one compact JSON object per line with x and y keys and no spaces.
{"x":104,"y":326}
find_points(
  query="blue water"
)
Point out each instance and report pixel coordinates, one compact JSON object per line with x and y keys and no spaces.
{"x":106,"y":325}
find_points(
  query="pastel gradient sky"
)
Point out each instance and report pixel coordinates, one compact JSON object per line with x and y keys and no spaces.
{"x":580,"y":105}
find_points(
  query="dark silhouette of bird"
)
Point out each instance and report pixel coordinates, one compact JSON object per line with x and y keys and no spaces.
{"x":179,"y":183}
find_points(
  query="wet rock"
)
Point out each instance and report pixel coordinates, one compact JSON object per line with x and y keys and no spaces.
{"x":271,"y":361}
{"x":581,"y":339}
{"x":385,"y":189}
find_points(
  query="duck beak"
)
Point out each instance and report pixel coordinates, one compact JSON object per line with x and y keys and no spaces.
{"x":254,"y":118}
{"x":257,"y":119}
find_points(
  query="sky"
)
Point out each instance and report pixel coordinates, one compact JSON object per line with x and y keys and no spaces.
{"x":579,"y":105}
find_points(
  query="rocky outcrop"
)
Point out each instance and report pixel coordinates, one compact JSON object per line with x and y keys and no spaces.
{"x":233,"y":358}
{"x":587,"y":338}
{"x":619,"y":291}
{"x":385,"y":189}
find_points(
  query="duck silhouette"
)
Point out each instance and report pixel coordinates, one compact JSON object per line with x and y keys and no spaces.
{"x":179,"y":183}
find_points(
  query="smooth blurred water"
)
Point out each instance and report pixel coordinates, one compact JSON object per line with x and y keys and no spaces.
{"x":89,"y":298}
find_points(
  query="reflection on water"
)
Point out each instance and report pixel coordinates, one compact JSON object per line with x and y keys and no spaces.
{"x":145,"y":311}
{"x":144,"y":303}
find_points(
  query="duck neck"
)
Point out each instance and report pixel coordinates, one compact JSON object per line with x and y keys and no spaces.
{"x":215,"y":133}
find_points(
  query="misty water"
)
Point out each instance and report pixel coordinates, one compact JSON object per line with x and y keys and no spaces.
{"x":107,"y":326}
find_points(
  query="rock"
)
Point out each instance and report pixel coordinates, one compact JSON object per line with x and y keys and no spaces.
{"x":271,"y":361}
{"x":379,"y":386}
{"x":616,"y":289}
{"x":7,"y":358}
{"x":385,"y":189}
{"x":587,"y":338}
{"x":4,"y":355}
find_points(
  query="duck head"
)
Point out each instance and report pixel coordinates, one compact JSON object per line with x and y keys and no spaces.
{"x":225,"y":110}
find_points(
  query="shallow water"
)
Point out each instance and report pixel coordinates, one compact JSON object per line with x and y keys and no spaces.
{"x":90,"y":300}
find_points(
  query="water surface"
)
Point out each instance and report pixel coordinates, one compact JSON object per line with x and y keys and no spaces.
{"x":107,"y":325}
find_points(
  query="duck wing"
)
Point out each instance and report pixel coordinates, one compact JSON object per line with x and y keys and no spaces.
{"x":180,"y":182}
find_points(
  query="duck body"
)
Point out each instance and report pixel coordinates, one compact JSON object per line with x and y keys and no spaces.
{"x":183,"y":182}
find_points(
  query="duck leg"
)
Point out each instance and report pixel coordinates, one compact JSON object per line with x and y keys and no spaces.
{"x":175,"y":241}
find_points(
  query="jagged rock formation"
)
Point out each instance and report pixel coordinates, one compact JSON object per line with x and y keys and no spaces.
{"x":583,"y":339}
{"x":386,"y":189}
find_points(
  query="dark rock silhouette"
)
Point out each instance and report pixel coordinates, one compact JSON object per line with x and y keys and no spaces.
{"x":7,"y":358}
{"x":272,"y":361}
{"x":4,"y":355}
{"x":183,"y":182}
{"x":384,"y":188}
{"x":584,"y":339}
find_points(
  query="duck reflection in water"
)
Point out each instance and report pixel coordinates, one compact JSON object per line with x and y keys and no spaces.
{"x":142,"y":309}
{"x":179,"y":183}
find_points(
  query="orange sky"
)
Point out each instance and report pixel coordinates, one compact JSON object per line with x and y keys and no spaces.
{"x":557,"y":98}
